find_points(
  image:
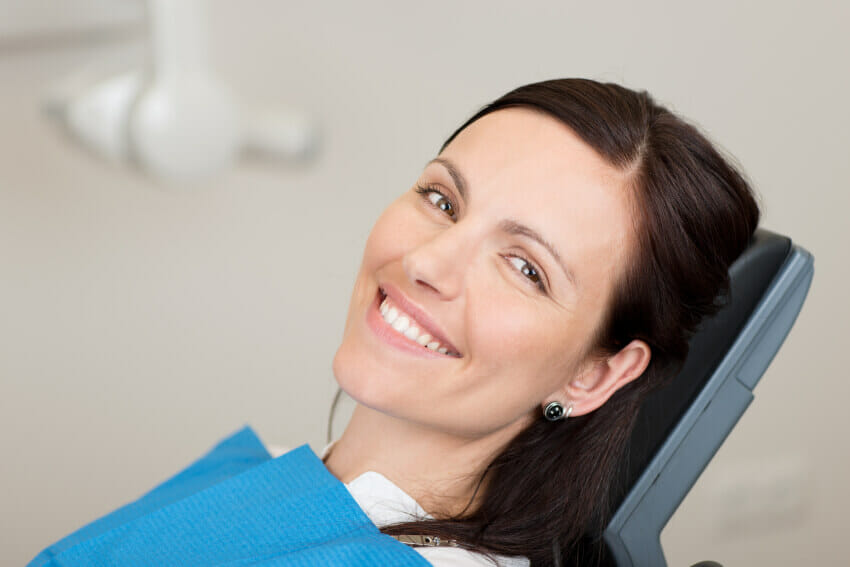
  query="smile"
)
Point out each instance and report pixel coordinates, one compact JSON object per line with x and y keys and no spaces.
{"x":410,"y":328}
{"x":399,"y":327}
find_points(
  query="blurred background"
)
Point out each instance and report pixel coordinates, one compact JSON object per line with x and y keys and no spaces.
{"x":143,"y":318}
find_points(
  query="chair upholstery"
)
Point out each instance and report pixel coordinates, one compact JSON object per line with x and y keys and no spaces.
{"x":681,"y":426}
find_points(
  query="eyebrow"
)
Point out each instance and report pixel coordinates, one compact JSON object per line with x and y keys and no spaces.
{"x":509,"y":226}
{"x":513,"y":227}
{"x":454,"y":172}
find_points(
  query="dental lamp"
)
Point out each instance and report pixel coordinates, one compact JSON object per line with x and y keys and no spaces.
{"x":175,"y":119}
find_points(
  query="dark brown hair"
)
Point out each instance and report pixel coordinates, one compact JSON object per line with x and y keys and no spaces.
{"x":695,"y":214}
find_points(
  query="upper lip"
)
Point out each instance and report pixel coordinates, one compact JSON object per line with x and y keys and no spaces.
{"x":422,"y":318}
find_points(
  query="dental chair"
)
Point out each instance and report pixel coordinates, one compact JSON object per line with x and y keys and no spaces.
{"x":681,"y":426}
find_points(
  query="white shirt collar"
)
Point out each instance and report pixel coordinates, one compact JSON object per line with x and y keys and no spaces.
{"x":385,"y":503}
{"x":381,"y":499}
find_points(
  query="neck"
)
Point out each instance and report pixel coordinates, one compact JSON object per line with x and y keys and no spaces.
{"x":439,"y":470}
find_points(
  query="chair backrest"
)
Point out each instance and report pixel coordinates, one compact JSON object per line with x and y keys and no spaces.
{"x":681,"y":426}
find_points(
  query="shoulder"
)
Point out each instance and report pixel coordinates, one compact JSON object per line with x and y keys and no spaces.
{"x":459,"y":557}
{"x":277,"y":450}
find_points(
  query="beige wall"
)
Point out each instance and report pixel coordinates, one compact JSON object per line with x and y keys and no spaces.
{"x":140,"y":323}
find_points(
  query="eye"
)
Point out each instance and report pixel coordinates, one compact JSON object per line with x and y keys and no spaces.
{"x":528,"y":270}
{"x":438,"y":200}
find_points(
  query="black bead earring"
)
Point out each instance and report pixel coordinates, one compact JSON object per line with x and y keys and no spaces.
{"x":555,"y":411}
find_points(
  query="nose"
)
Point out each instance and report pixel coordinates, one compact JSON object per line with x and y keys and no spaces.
{"x":439,"y":263}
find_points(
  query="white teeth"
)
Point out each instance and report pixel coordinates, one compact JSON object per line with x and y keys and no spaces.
{"x":412,"y":333}
{"x":405,"y":325}
{"x":401,"y":324}
{"x":391,"y":315}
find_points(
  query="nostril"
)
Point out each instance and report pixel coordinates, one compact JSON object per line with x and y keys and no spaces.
{"x":426,"y":284}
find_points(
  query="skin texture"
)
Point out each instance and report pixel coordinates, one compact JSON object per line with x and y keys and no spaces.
{"x":431,"y":424}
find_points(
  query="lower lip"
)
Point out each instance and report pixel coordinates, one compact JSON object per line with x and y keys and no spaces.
{"x":392,"y":337}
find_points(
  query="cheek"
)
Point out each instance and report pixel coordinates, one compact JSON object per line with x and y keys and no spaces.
{"x":531,"y":349}
{"x":389,"y":237}
{"x":385,"y":242}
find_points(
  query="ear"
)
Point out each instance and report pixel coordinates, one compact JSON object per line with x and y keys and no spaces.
{"x":592,"y":388}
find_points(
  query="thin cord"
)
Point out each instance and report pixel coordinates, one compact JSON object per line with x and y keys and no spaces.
{"x":333,"y":411}
{"x":556,"y":552}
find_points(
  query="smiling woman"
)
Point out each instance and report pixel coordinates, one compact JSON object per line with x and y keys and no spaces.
{"x":514,"y":308}
{"x":470,"y":259}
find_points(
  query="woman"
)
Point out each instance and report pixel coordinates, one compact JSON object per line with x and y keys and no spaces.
{"x":561,"y":249}
{"x":511,"y":312}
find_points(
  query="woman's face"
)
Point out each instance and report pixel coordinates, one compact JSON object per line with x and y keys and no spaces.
{"x":505,"y":252}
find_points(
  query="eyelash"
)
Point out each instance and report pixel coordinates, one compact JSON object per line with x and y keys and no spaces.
{"x":426,"y":190}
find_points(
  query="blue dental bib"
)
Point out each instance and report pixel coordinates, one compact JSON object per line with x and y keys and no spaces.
{"x":237,"y":506}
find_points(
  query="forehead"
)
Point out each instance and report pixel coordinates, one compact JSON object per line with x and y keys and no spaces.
{"x":523,"y":164}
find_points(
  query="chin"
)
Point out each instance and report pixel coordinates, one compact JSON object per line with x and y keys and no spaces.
{"x":358,"y":379}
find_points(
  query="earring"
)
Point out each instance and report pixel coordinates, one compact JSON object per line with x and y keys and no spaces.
{"x":555,"y":411}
